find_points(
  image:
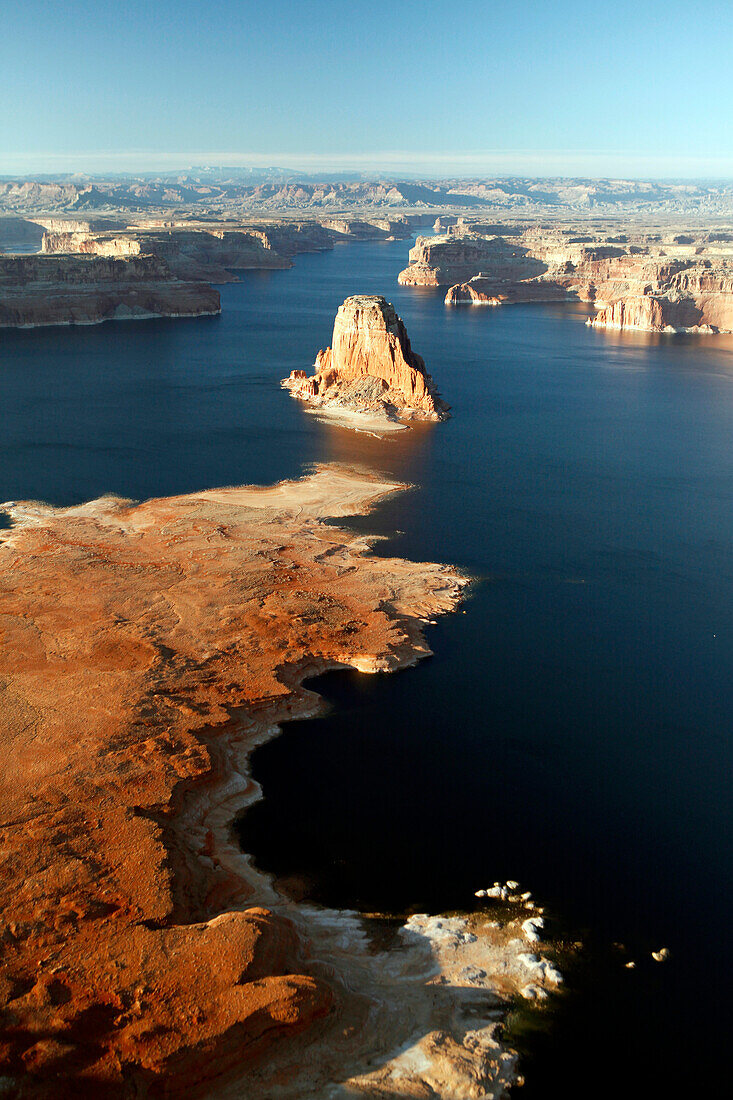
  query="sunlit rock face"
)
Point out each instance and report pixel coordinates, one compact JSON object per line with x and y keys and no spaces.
{"x":370,"y":366}
{"x":457,"y":257}
{"x":649,"y":314}
{"x":483,"y":290}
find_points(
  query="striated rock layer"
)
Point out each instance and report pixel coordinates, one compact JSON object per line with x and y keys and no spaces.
{"x":75,"y":289}
{"x":370,"y":367}
{"x":452,"y":258}
{"x":133,"y":962}
{"x":214,"y":251}
{"x":211,"y":254}
{"x":689,"y":301}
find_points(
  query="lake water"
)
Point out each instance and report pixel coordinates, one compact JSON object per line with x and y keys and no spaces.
{"x":573,"y":730}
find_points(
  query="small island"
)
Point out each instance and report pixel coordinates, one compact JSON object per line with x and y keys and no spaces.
{"x":370,"y":372}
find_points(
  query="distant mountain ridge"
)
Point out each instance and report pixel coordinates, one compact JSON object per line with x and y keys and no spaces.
{"x":239,"y":190}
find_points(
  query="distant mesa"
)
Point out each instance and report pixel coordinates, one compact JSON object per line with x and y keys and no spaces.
{"x":100,"y":269}
{"x":635,"y":280}
{"x":370,"y":369}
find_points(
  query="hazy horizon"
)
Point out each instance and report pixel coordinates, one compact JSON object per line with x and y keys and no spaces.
{"x":352,"y":168}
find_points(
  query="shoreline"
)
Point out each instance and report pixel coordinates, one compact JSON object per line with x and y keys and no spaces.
{"x":483,"y":960}
{"x":105,"y":320}
{"x":368,"y":423}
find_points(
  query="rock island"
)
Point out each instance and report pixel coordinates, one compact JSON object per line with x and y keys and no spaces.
{"x":370,"y":370}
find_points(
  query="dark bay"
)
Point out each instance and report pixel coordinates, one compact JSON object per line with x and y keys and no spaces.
{"x":573,"y":730}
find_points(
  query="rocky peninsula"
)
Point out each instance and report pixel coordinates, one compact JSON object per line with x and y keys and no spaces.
{"x":636,"y":279}
{"x":370,"y":370}
{"x":147,"y":648}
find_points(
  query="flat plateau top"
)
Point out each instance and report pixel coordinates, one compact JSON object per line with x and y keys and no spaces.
{"x":368,"y":301}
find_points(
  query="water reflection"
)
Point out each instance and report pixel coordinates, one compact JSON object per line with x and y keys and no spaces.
{"x":397,"y":454}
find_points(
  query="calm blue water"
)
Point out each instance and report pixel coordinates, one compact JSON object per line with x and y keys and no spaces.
{"x":574,"y":728}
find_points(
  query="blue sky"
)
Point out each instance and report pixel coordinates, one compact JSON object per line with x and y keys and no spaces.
{"x":535,"y":87}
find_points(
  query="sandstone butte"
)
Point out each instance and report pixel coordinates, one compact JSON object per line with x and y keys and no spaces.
{"x":638,"y":279}
{"x":140,"y":644}
{"x":370,"y":367}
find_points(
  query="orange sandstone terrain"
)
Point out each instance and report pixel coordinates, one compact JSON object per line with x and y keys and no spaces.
{"x":140,"y":642}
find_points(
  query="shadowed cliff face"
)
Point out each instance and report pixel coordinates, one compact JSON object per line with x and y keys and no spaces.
{"x":370,"y":367}
{"x":18,"y":233}
{"x":128,"y":633}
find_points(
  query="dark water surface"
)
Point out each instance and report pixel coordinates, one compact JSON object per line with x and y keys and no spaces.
{"x":573,"y":730}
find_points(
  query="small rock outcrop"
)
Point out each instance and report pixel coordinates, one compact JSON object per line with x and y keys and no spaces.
{"x":370,"y":367}
{"x":483,"y":290}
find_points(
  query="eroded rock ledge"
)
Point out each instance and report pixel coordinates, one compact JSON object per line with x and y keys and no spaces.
{"x":96,"y":270}
{"x":370,"y":369}
{"x":134,"y":957}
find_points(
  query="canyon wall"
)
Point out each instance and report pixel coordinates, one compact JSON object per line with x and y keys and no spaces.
{"x":440,"y":261}
{"x":649,"y":313}
{"x":95,"y":269}
{"x":49,"y":290}
{"x":637,"y":279}
{"x":190,"y":254}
